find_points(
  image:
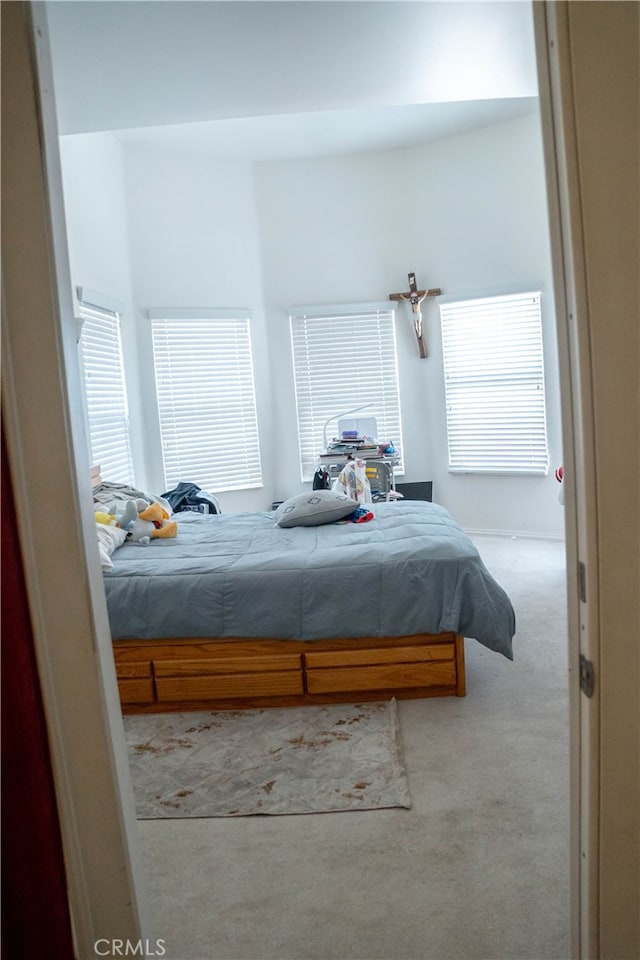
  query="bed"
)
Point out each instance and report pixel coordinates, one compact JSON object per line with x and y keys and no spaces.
{"x":238,"y":612}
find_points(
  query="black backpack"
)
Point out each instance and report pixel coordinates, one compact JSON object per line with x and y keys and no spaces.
{"x":321,"y":479}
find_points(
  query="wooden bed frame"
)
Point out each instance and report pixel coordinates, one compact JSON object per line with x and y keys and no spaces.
{"x":171,"y":676}
{"x":157,"y":676}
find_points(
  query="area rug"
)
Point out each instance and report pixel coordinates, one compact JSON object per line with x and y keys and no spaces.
{"x":277,"y":761}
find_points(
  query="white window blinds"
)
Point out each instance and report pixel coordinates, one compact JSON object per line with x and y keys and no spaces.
{"x":206,"y":399}
{"x":494,"y":385}
{"x":344,"y":358}
{"x":105,"y":391}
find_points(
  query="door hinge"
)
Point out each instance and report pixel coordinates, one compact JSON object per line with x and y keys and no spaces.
{"x":587,"y":676}
{"x":582,"y":582}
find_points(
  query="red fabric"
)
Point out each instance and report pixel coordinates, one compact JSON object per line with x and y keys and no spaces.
{"x":35,"y":912}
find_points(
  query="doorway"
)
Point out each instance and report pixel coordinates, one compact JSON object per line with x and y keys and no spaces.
{"x":29,"y":483}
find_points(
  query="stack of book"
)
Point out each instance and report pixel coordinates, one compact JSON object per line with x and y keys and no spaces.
{"x":350,"y":446}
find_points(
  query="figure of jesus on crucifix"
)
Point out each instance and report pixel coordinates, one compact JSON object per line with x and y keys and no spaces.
{"x":415,"y":298}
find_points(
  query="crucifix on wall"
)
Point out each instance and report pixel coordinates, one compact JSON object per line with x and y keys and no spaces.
{"x":415,"y":298}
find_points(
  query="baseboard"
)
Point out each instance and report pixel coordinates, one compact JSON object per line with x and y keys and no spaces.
{"x":513,"y":534}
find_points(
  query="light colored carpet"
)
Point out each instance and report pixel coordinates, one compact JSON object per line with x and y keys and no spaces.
{"x":246,"y":762}
{"x":476,"y":870}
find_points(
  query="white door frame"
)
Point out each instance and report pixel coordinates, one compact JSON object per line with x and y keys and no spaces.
{"x":565,"y":219}
{"x":48,"y":461}
{"x":587,"y":55}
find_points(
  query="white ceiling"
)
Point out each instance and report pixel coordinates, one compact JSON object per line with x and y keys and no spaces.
{"x":269,"y":79}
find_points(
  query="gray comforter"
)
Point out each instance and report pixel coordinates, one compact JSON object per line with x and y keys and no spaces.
{"x":410,"y":570}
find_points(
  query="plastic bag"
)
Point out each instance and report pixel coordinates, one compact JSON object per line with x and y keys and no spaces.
{"x":353,"y":481}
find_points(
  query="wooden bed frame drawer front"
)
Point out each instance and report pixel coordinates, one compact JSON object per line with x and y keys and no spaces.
{"x":379,"y":655}
{"x":226,"y":686}
{"x":227,"y":665}
{"x":136,"y":691}
{"x":135,"y":682}
{"x":160,"y":676}
{"x":441,"y":673}
{"x":134,"y":669}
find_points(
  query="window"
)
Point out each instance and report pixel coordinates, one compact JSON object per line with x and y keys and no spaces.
{"x":206,"y":398}
{"x":344,"y":360}
{"x":105,"y":390}
{"x":494,"y":385}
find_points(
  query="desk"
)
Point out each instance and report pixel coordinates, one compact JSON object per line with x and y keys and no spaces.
{"x":379,"y":472}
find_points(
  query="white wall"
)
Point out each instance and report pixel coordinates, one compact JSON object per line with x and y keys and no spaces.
{"x":485,"y":192}
{"x":193,"y":242}
{"x":96,"y":221}
{"x":467,"y":214}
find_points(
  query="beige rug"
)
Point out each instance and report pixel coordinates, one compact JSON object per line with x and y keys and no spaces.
{"x":278,"y":761}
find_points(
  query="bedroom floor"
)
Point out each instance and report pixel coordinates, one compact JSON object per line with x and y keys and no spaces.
{"x":476,"y":870}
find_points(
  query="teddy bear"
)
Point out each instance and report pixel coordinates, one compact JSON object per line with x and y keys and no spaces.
{"x":142,"y":521}
{"x":152,"y":523}
{"x":127,"y":513}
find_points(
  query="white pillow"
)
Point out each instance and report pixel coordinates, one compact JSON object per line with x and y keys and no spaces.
{"x":313,"y":508}
{"x":109,"y":539}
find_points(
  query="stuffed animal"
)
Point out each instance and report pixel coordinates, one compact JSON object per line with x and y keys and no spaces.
{"x":107,"y":518}
{"x":141,"y":520}
{"x":121,"y":513}
{"x":129,"y":512}
{"x":152,"y":523}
